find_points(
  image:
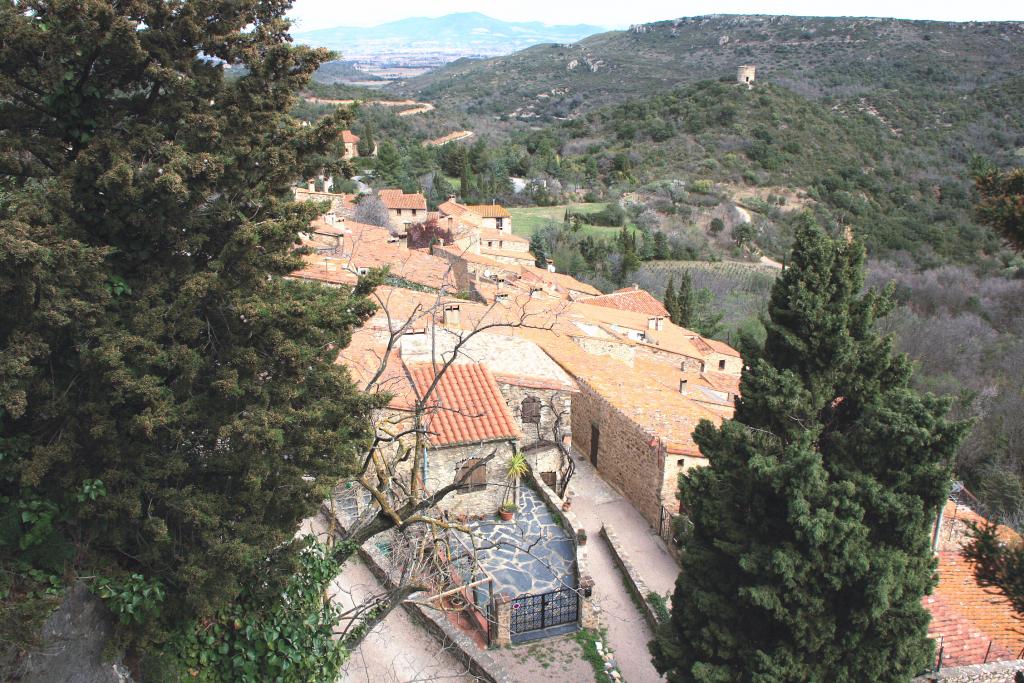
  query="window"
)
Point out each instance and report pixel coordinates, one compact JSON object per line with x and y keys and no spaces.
{"x":399,"y":211}
{"x":530,"y":410}
{"x":475,"y":480}
{"x":721,"y":365}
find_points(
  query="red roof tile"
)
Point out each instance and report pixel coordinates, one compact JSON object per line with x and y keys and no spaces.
{"x":466,"y":406}
{"x":631,"y":299}
{"x":489,"y":210}
{"x":967,"y":617}
{"x":348,"y":136}
{"x":397,"y":199}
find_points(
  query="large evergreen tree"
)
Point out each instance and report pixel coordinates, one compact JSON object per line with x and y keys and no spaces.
{"x":807,"y":550}
{"x":169,"y":405}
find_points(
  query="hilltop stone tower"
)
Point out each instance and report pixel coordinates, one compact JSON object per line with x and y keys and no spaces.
{"x":745,"y":74}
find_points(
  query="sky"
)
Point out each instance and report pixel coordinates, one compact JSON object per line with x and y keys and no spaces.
{"x":315,"y":14}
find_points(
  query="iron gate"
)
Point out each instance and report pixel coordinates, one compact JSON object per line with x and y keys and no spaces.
{"x":544,"y":610}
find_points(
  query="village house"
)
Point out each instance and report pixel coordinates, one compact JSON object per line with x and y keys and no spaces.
{"x":493,"y":217}
{"x":351,"y":142}
{"x":403,"y":209}
{"x":466,"y":420}
{"x":341,"y":204}
{"x":537,"y":391}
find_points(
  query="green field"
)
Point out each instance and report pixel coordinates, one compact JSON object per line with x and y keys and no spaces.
{"x":526,"y":221}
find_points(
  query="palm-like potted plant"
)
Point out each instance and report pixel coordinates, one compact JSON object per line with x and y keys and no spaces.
{"x":517,"y":469}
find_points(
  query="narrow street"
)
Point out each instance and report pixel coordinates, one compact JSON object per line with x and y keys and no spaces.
{"x":595,"y":503}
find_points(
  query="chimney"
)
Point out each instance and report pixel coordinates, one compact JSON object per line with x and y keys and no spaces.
{"x":311,"y":185}
{"x":636,"y":287}
{"x":682,"y":386}
{"x":451,"y":314}
{"x":330,"y":218}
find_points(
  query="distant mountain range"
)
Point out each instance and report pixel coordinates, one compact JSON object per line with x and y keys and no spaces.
{"x":454,"y":35}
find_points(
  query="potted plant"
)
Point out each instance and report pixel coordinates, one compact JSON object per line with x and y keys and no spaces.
{"x":517,"y":468}
{"x":507,"y":510}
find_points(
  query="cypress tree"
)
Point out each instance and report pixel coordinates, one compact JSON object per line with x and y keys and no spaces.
{"x":807,"y":548}
{"x":685,"y":302}
{"x":537,"y":248}
{"x":170,"y":408}
{"x":366,"y":141}
{"x":670,"y":300}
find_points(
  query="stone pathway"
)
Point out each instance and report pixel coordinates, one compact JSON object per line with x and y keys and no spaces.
{"x":530,"y":554}
{"x":397,"y":650}
{"x":594,"y":503}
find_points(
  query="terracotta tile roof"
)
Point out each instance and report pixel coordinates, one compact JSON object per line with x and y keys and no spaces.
{"x":521,"y":257}
{"x":489,"y":210}
{"x":664,"y":413}
{"x":396,"y":199}
{"x":968,"y":617}
{"x":466,"y":406}
{"x":491,"y":234}
{"x":460,"y":212}
{"x":561,"y":280}
{"x":370,"y":246}
{"x":670,"y":338}
{"x":348,"y":136}
{"x":630,"y":299}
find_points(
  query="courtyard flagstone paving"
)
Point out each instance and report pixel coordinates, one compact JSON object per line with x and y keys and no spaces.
{"x":530,"y":554}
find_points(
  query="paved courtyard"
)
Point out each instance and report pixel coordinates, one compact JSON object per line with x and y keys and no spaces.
{"x":530,"y":554}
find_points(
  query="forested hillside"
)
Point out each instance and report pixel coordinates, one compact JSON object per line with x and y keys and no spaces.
{"x":819,"y":57}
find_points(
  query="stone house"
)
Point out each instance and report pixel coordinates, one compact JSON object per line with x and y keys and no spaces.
{"x":351,"y":142}
{"x":466,"y":420}
{"x":403,"y":209}
{"x":537,"y":393}
{"x":493,"y":217}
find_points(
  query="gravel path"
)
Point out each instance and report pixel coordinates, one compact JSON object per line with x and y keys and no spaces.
{"x":594,"y":503}
{"x":397,"y":650}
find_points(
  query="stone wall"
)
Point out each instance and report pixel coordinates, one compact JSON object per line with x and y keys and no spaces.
{"x":552,"y":404}
{"x":993,"y":672}
{"x":72,"y":645}
{"x":443,"y":465}
{"x":607,"y":347}
{"x":634,"y":583}
{"x":625,"y":458}
{"x":479,"y":662}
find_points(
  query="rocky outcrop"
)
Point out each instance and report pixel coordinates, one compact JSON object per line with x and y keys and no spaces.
{"x":71,"y":646}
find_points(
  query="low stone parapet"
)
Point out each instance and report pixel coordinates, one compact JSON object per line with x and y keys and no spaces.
{"x":634,"y":583}
{"x":993,"y":672}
